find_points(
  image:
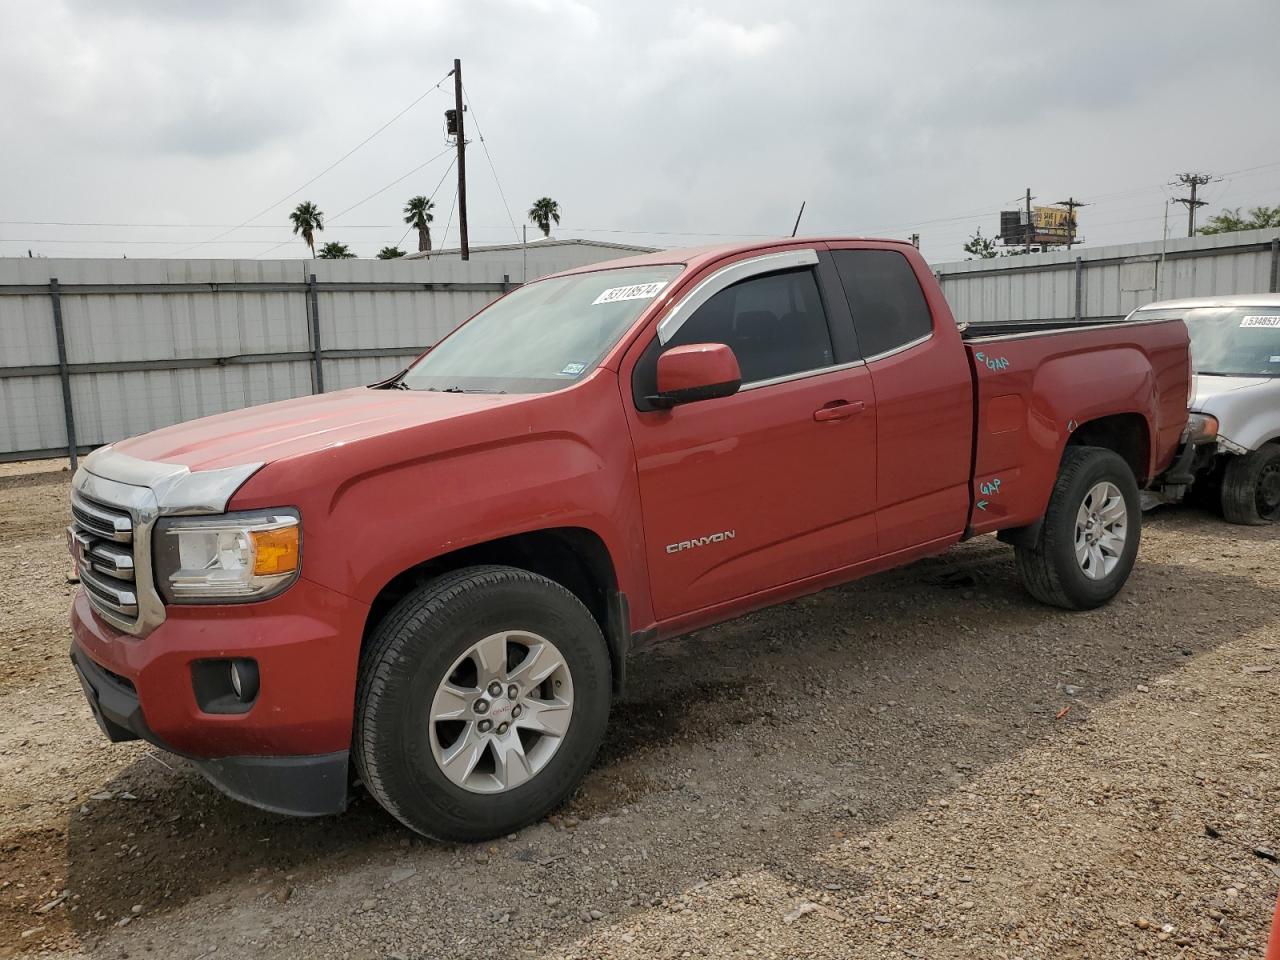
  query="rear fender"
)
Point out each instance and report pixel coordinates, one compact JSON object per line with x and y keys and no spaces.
{"x":1028,"y":411}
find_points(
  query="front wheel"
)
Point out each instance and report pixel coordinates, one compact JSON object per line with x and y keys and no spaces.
{"x":1089,"y":540}
{"x":1251,"y":487}
{"x":483,"y":698}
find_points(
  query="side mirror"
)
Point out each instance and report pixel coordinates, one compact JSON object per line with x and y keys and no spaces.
{"x":696,"y":371}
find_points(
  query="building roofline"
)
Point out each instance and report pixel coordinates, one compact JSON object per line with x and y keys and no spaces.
{"x":534,"y":245}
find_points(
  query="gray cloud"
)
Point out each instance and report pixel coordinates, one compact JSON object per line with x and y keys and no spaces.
{"x":667,"y":117}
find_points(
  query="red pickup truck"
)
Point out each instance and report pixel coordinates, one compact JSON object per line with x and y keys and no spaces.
{"x":433,"y":583}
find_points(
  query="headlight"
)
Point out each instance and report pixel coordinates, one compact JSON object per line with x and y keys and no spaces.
{"x":232,"y":558}
{"x":1201,"y":428}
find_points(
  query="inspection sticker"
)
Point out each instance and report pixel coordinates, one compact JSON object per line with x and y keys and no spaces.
{"x":637,"y":291}
{"x":1268,"y":321}
{"x":572,"y":369}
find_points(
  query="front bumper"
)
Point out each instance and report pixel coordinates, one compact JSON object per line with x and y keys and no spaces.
{"x":289,"y":751}
{"x":308,"y":786}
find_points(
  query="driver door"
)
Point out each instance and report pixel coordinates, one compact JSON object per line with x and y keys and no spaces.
{"x":773,"y":484}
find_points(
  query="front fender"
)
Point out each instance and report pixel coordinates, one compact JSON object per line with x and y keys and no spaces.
{"x":373,"y":510}
{"x":1248,"y":417}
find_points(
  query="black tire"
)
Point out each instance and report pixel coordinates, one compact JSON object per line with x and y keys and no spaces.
{"x":404,"y":663}
{"x":1251,"y":487}
{"x":1049,"y":570}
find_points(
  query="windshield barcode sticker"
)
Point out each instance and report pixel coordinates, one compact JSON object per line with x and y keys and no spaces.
{"x":637,"y":291}
{"x":1269,"y":321}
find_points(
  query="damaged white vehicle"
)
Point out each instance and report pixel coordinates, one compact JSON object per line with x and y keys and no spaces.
{"x":1235,"y":355}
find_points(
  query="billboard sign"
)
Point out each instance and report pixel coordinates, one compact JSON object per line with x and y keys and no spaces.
{"x":1050,"y":226}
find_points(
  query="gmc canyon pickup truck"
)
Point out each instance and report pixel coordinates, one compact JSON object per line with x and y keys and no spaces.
{"x":433,"y":583}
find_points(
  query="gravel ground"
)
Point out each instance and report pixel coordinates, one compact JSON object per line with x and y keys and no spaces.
{"x":923,"y":764}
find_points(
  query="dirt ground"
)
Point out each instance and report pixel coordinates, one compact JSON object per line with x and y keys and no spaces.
{"x":924,"y":764}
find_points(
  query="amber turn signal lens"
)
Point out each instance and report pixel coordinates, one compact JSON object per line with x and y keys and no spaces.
{"x":275,"y":551}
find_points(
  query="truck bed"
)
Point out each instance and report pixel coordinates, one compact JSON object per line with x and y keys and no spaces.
{"x":1038,"y":386}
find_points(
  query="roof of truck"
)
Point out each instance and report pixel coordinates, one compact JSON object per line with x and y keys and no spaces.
{"x":1234,"y":300}
{"x":700,"y":256}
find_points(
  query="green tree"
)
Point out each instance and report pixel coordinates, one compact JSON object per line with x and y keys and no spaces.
{"x":336,"y":251}
{"x":307,"y":220}
{"x":390,"y":253}
{"x":542,"y":213}
{"x":984,"y":248}
{"x":417,"y":213}
{"x":1231,"y":220}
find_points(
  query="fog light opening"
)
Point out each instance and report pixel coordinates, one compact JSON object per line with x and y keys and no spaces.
{"x":244,"y":680}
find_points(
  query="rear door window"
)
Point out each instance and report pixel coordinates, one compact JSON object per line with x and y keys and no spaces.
{"x":888,"y":306}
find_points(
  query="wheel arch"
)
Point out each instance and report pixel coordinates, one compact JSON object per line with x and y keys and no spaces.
{"x":574,"y":557}
{"x":1126,"y":434}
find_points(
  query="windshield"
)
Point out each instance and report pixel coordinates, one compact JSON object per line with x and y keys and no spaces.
{"x":542,"y":337}
{"x":1229,"y":341}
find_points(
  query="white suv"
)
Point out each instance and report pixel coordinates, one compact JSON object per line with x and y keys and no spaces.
{"x":1235,"y":353}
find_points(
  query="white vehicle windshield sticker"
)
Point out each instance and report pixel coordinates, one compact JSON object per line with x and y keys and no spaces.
{"x":1268,"y":321}
{"x":637,"y":291}
{"x":1274,"y":360}
{"x":572,"y":369}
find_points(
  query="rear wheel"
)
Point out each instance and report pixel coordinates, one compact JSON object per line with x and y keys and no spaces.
{"x":1251,"y":487}
{"x":1091,"y":532}
{"x":483,"y":698}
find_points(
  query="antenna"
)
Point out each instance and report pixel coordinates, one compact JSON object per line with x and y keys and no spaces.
{"x":798,"y":216}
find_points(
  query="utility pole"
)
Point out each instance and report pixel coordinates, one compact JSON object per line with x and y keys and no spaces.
{"x":1027,"y":235}
{"x":462,"y":159}
{"x":1071,"y":203}
{"x":1194,"y":181}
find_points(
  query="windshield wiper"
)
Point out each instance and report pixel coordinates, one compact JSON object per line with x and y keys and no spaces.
{"x":461,"y":390}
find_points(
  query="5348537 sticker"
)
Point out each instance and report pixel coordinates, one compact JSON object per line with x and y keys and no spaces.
{"x":1261,"y":321}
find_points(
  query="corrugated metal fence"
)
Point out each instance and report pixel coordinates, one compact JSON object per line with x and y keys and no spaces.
{"x":95,"y":350}
{"x":1091,"y":283}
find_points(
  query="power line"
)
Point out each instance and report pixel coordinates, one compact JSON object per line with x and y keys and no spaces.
{"x":398,"y":179}
{"x":335,"y":163}
{"x":445,"y":236}
{"x":432,"y":197}
{"x":259,"y":256}
{"x":492,"y":168}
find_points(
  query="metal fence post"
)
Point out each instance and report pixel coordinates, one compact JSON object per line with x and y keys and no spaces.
{"x":1079,"y":289}
{"x":1275,"y":264}
{"x":64,"y":372}
{"x":313,"y":316}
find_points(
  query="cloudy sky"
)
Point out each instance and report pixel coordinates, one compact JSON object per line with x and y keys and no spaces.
{"x":148,"y":127}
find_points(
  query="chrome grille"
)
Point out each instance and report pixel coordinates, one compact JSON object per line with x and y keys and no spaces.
{"x":101,"y":538}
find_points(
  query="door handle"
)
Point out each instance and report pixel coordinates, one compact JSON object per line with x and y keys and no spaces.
{"x":838,"y":410}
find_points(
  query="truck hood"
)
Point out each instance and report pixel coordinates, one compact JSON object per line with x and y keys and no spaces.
{"x":1206,"y":387}
{"x":289,"y":428}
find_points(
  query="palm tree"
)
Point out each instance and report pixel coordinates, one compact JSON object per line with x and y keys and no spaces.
{"x":543,"y":211}
{"x":307,"y":219}
{"x":333,"y":250}
{"x":417,"y":213}
{"x":390,"y":253}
